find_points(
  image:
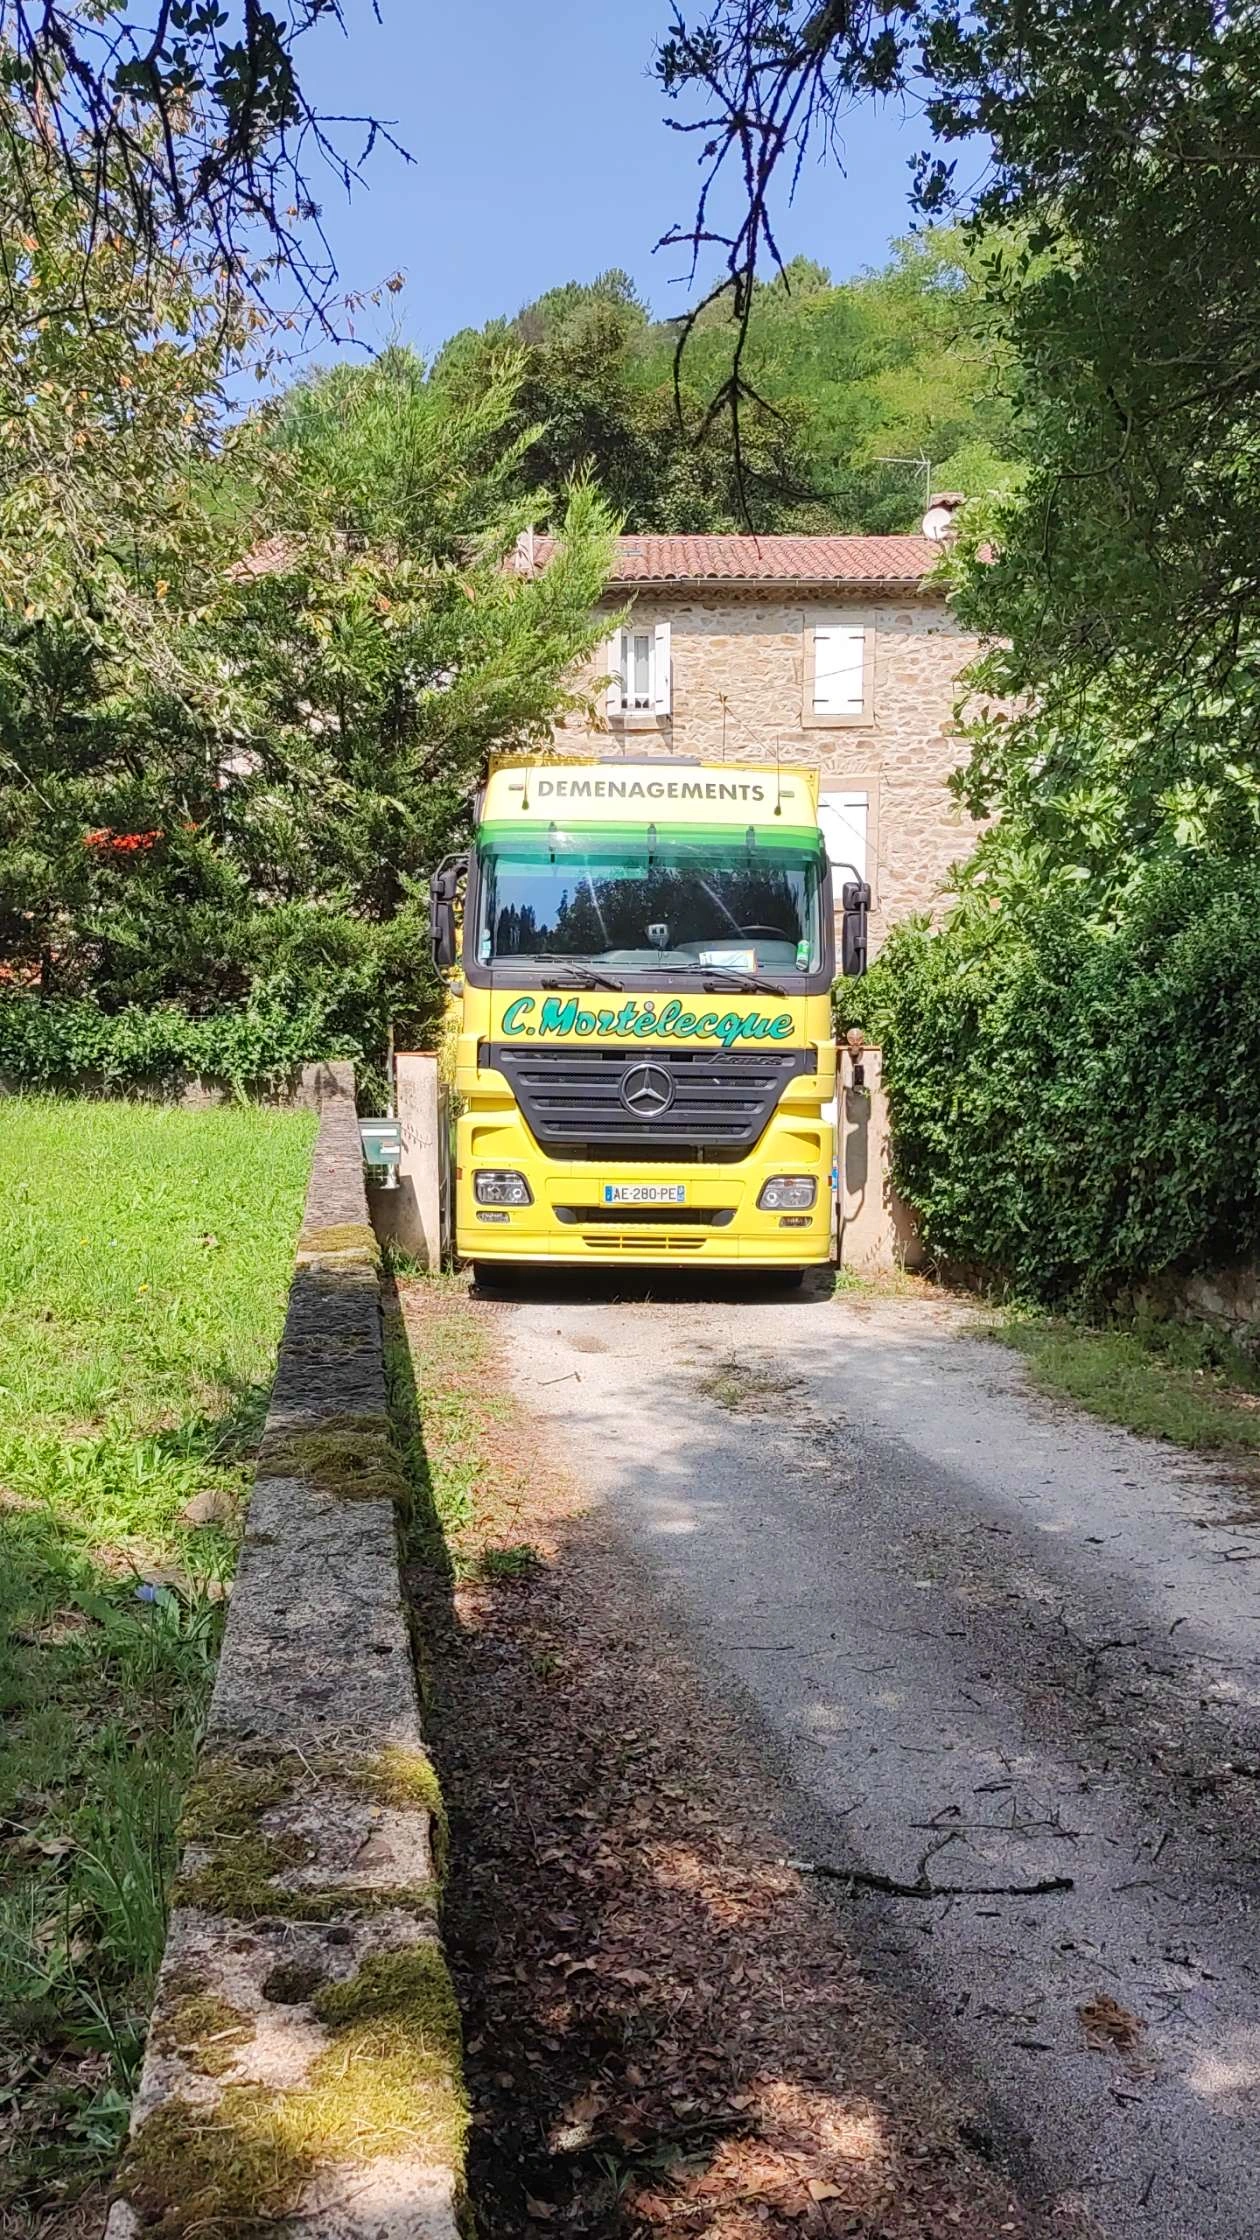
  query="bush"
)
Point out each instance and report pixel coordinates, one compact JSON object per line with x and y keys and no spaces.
{"x":72,"y":1043}
{"x":1074,"y":1104}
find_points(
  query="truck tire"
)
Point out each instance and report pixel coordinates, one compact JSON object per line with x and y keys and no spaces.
{"x":492,"y":1275}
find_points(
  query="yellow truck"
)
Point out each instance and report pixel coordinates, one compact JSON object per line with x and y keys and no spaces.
{"x":646,"y":1066}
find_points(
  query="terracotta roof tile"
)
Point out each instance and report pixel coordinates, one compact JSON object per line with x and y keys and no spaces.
{"x":754,"y":560}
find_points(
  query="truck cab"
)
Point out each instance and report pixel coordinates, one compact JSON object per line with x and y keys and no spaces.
{"x":645,"y":1068}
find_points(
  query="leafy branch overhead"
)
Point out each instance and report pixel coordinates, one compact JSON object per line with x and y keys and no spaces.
{"x":190,"y":118}
{"x":1114,"y":150}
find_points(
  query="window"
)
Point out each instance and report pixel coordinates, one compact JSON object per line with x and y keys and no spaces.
{"x":837,"y":678}
{"x":639,"y":659}
{"x":844,"y":819}
{"x":679,"y":906}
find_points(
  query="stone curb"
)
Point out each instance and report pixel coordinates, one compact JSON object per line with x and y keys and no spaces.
{"x":303,"y":2062}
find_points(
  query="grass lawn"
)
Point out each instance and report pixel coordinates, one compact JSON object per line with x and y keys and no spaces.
{"x":145,"y":1255}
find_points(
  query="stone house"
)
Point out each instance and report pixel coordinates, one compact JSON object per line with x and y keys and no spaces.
{"x":840,"y":653}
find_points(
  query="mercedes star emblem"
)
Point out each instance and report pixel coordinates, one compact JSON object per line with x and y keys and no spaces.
{"x":646,"y":1091}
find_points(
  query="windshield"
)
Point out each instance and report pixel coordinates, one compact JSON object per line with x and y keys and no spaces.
{"x":636,"y":907}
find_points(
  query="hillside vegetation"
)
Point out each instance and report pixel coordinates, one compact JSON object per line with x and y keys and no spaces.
{"x":898,"y":365}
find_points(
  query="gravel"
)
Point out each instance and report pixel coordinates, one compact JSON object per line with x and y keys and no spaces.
{"x":990,"y":1644}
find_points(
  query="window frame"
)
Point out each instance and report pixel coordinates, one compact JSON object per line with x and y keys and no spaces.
{"x":516,"y":973}
{"x":849,"y":719}
{"x":854,"y":802}
{"x":660,"y":694}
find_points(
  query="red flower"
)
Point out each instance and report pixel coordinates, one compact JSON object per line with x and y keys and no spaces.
{"x":121,"y":843}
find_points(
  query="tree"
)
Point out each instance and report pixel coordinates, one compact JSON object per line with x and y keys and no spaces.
{"x":252,"y":848}
{"x":897,"y":362}
{"x":1115,"y":230}
{"x":1072,"y":1054}
{"x":221,"y":785}
{"x":107,"y":419}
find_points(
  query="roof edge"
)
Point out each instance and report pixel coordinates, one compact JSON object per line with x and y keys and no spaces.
{"x":928,"y":581}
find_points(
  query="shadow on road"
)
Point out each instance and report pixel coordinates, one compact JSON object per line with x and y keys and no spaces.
{"x":631,"y":1285}
{"x":665,"y":2032}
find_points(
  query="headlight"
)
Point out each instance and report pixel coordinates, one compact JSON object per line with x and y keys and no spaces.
{"x":499,"y":1186}
{"x":788,"y":1193}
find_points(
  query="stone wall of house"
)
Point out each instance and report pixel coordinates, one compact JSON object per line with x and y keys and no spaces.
{"x":739,"y":664}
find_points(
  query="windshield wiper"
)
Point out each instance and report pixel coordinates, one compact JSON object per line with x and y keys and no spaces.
{"x":717,"y":976}
{"x":725,"y":976}
{"x":579,"y":975}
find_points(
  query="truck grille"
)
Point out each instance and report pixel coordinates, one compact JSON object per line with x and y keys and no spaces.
{"x":722,"y":1100}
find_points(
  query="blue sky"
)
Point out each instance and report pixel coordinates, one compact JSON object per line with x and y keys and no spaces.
{"x":541,"y":156}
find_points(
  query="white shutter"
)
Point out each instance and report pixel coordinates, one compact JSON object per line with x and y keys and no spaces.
{"x":661,"y":676}
{"x":839,"y":663}
{"x":843,"y":818}
{"x":617,"y":657}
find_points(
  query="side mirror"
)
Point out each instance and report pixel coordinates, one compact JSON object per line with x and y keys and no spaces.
{"x":855,"y":902}
{"x":443,"y":888}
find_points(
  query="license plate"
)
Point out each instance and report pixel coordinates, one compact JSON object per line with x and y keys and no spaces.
{"x":645,"y":1193}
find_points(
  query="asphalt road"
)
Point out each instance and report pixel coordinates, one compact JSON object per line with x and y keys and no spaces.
{"x":991,"y":1644}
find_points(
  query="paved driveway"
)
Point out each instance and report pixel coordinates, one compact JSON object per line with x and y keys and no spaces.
{"x":995,"y":1646}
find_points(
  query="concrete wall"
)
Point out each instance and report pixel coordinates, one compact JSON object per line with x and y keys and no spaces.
{"x":409,"y":1214}
{"x":739,"y":667}
{"x":303,"y":2066}
{"x":877,"y":1230}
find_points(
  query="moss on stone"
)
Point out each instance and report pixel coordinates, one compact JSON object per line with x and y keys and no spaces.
{"x":243,"y":1874}
{"x":402,"y":1777}
{"x":207,"y":2032}
{"x":223,"y":1808}
{"x":344,"y":1239}
{"x":221,"y":2170}
{"x":230,"y":1789}
{"x":258,"y":1896}
{"x":241,"y":1881}
{"x":396,"y":2035}
{"x":387,"y":2083}
{"x":352,"y":1456}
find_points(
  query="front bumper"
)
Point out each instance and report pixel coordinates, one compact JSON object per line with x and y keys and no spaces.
{"x":719,"y":1224}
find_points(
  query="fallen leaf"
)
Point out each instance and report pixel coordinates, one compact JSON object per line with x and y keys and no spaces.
{"x":1108,"y":2026}
{"x":212,"y":1507}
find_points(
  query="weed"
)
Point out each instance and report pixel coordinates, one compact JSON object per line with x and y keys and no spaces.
{"x":456,"y":1434}
{"x":1165,"y":1381}
{"x":748,"y":1388}
{"x":516,"y":1562}
{"x":879,"y":1283}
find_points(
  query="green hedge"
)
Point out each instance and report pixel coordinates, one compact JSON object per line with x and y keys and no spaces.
{"x":72,"y":1043}
{"x":1076,"y":1108}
